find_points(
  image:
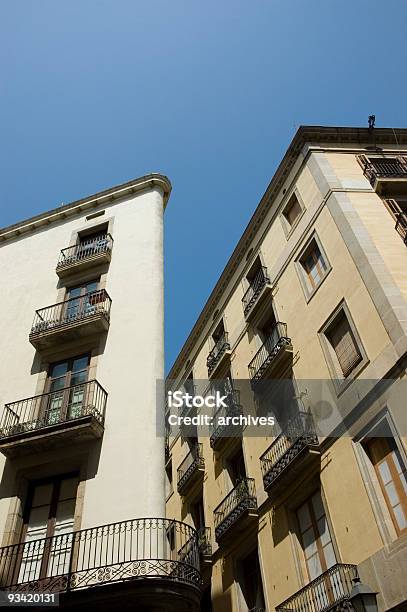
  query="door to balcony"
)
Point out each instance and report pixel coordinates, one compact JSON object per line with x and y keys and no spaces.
{"x":47,"y":531}
{"x":66,"y":391}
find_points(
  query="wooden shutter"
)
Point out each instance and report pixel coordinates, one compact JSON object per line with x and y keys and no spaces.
{"x":344,"y":345}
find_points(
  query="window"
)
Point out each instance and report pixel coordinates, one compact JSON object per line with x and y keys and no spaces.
{"x":66,"y":390}
{"x":94,"y":242}
{"x":313,"y":266}
{"x":49,"y":513}
{"x":250,"y":582}
{"x":168,"y":478}
{"x":236,"y":468}
{"x":292,"y":211}
{"x":82,"y":300}
{"x":392,"y":477}
{"x":315,"y":536}
{"x":344,"y":344}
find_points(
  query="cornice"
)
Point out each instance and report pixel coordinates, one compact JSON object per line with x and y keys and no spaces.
{"x":77,"y":207}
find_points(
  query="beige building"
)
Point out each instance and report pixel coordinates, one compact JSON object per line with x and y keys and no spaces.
{"x":308,"y":323}
{"x":82,"y":505}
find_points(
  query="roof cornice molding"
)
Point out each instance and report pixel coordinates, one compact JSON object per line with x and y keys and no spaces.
{"x":313,"y":136}
{"x":118,"y":192}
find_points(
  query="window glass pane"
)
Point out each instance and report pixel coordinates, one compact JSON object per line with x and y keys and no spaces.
{"x":314,"y":567}
{"x":384,"y":472}
{"x":304,"y":517}
{"x":80,"y":363}
{"x":42,"y":495}
{"x":323,"y":531}
{"x":59,"y":369}
{"x":317,"y":505}
{"x":309,"y":543}
{"x":400,"y":516}
{"x":392,"y":493}
{"x":329,"y":555}
{"x":68,"y":488}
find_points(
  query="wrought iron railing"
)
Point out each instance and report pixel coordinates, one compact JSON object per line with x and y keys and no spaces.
{"x":233,"y":409}
{"x":68,"y":404}
{"x":240,"y":499}
{"x":73,"y":310}
{"x":256,"y":284}
{"x":192,"y":462}
{"x":85,"y":250}
{"x":401,"y":226}
{"x":297,"y":435}
{"x":325,"y":592}
{"x":222,"y":345}
{"x":269,"y":350}
{"x":204,"y":541}
{"x":383,"y":167}
{"x":147,"y":548}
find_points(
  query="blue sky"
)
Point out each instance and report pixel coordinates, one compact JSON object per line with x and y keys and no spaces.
{"x":96,"y":92}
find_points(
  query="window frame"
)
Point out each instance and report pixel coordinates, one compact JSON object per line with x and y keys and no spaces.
{"x":304,"y":276}
{"x":287,"y":228}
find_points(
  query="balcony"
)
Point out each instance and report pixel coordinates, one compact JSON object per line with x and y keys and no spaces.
{"x":73,"y":319}
{"x":46,"y":421}
{"x":80,"y":257}
{"x":219,"y":355}
{"x":387,"y":175}
{"x":237,"y":510}
{"x":221,"y":433}
{"x":330,"y":591}
{"x":273,"y":356}
{"x":401,"y":226}
{"x":259,"y":289}
{"x":191,"y":470}
{"x":293,"y":451}
{"x":139,"y":556}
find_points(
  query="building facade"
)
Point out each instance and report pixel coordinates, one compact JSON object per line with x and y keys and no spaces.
{"x":82,"y":505}
{"x":308,"y":323}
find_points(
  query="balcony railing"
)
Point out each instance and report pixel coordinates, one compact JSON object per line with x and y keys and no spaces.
{"x":51,"y":409}
{"x":88,"y":249}
{"x":297,"y":436}
{"x":241,"y":499}
{"x":73,"y":310}
{"x":138,"y":549}
{"x":329,"y":590}
{"x":401,"y":226}
{"x":222,"y":345}
{"x":220,"y":431}
{"x":268,"y":352}
{"x":260,"y":280}
{"x":190,"y":466}
{"x":390,"y":167}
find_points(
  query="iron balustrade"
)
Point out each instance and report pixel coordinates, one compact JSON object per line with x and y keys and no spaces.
{"x":401,"y":226}
{"x":147,"y":548}
{"x":221,"y":346}
{"x":204,"y":541}
{"x":85,"y":250}
{"x":240,"y":499}
{"x":67,"y":404}
{"x":328,"y":590}
{"x":73,"y":310}
{"x":395,"y":167}
{"x":233,"y":409}
{"x":256,"y":284}
{"x":192,"y":462}
{"x":273,"y":344}
{"x":297,"y":435}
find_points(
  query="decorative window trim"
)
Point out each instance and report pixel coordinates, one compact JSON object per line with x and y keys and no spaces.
{"x":287,"y":228}
{"x":340,"y":383}
{"x":302,"y":275}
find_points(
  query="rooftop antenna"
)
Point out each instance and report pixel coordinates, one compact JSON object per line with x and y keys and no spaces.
{"x":371,"y":121}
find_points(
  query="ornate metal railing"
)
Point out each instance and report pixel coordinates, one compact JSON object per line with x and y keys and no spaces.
{"x":68,"y":404}
{"x":74,"y":310}
{"x":401,"y":226}
{"x":324,"y":593}
{"x":192,"y":462}
{"x":222,"y":345}
{"x":256,"y":285}
{"x":204,"y":541}
{"x":234,"y":409}
{"x":85,"y":250}
{"x":394,"y":167}
{"x":240,"y":499}
{"x":297,"y":435}
{"x":147,"y":548}
{"x":269,"y":350}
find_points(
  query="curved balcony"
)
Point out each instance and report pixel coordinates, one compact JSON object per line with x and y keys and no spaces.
{"x":88,"y":253}
{"x":46,"y":421}
{"x":237,"y":509}
{"x":219,"y":355}
{"x":329,"y":591}
{"x":145,"y":558}
{"x":71,"y":319}
{"x":291,"y":452}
